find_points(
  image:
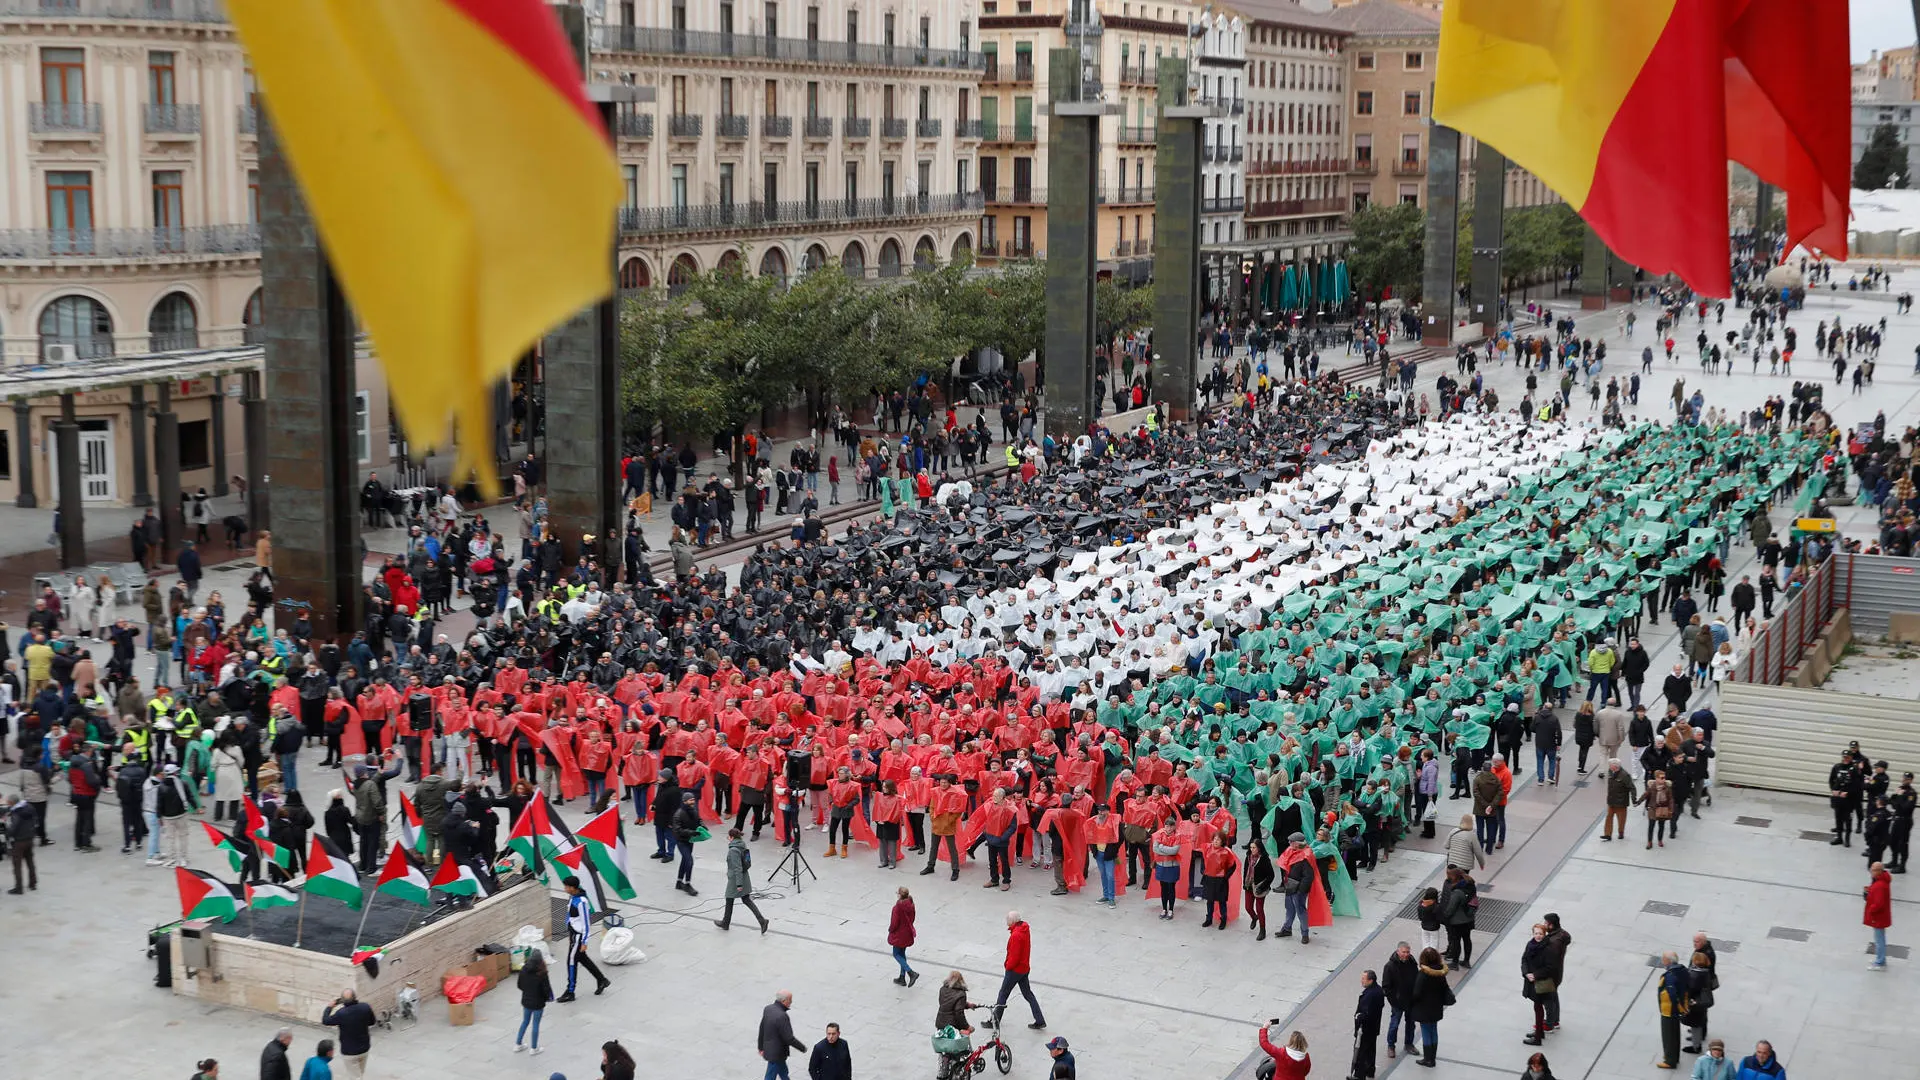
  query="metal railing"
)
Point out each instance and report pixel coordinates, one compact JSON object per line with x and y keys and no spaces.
{"x":730,"y":126}
{"x":1122,"y":249}
{"x":1020,"y":196}
{"x":634,"y":125}
{"x":247,"y":120}
{"x":656,"y":41}
{"x":1293,"y":207}
{"x":173,"y":340}
{"x":1144,"y":133}
{"x":894,"y":128}
{"x":172,"y":119}
{"x":45,"y":118}
{"x":684,"y":125}
{"x":966,"y":129}
{"x":1023,"y":71}
{"x":817,"y":127}
{"x":204,"y":11}
{"x":1138,"y":75}
{"x":1783,"y":641}
{"x":776,"y":127}
{"x":85,"y":346}
{"x":994,"y":131}
{"x":988,"y":248}
{"x":1019,"y":250}
{"x":927,"y":128}
{"x":1223,"y":205}
{"x":129,"y":243}
{"x":1274,"y":167}
{"x":1124,"y":195}
{"x":1409,"y":167}
{"x":857,"y":127}
{"x":1235,"y":106}
{"x":1236,"y":153}
{"x":1364,"y":167}
{"x":763,"y":214}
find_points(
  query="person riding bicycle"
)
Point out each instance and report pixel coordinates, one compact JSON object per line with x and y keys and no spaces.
{"x":954,"y":1005}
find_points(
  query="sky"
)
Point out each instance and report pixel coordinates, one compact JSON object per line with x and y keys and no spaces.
{"x":1878,"y":24}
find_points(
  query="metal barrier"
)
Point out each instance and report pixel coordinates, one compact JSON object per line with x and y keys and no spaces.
{"x":1783,"y":641}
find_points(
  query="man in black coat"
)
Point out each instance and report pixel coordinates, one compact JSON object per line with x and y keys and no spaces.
{"x":1742,"y":599}
{"x":355,"y":1020}
{"x":831,"y":1059}
{"x":1396,"y":983}
{"x":273,"y":1059}
{"x":776,"y":1039}
{"x":1366,"y":1026}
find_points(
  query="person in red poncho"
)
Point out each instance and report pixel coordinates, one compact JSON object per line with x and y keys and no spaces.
{"x":1218,"y":865}
{"x":1300,"y":886}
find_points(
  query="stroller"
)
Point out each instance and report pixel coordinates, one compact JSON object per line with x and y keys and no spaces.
{"x":959,"y":1057}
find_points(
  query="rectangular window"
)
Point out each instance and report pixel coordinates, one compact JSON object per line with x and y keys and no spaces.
{"x":990,"y":52}
{"x":168,"y":200}
{"x":679,"y":18}
{"x":1410,"y":194}
{"x":1023,"y":234}
{"x":813,"y":101}
{"x":1415,"y":61}
{"x":853,"y":101}
{"x":990,"y":178}
{"x":852,"y":192}
{"x":70,"y":210}
{"x":160,"y":83}
{"x":853,"y":26}
{"x":1363,"y":149}
{"x":253,"y":197}
{"x":813,"y":184}
{"x":63,"y":76}
{"x":678,"y":187}
{"x":726,"y":97}
{"x":679,"y":95}
{"x":886,"y":102}
{"x":6,"y":455}
{"x":1410,"y":103}
{"x":961,"y":174}
{"x":726,"y":19}
{"x":196,"y":448}
{"x":966,"y":106}
{"x":926,"y":32}
{"x":813,"y":23}
{"x":886,"y":181}
{"x":1363,"y":103}
{"x":726,"y":184}
{"x":362,"y":428}
{"x":772,"y":95}
{"x":770,"y":183}
{"x":772,"y":19}
{"x":629,"y":176}
{"x":1023,"y":118}
{"x":926,"y":103}
{"x":1362,"y":194}
{"x":1410,"y":150}
{"x":887,"y":38}
{"x":923,"y":180}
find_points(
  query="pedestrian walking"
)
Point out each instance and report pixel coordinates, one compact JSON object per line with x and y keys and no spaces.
{"x":1458,"y":902}
{"x":1659,"y":803}
{"x":355,"y":1020}
{"x":686,"y":826}
{"x":900,"y":936}
{"x":320,"y":1065}
{"x":1432,"y":929}
{"x":1620,"y":795}
{"x":1366,"y":1026}
{"x":579,"y":932}
{"x":1670,"y":993}
{"x":536,"y":989}
{"x":1879,"y":913}
{"x":776,"y":1036}
{"x":1018,"y":966}
{"x":1714,"y":1064}
{"x":1762,"y":1064}
{"x":831,"y":1059}
{"x":1428,"y":1003}
{"x":739,"y":885}
{"x":20,"y":824}
{"x":273,"y":1057}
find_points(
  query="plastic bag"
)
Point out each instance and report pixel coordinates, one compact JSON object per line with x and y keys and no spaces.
{"x":617,"y":947}
{"x":462,"y":989}
{"x":951,"y":1040}
{"x":528,"y":939}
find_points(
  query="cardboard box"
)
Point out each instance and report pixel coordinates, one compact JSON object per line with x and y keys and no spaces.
{"x":495,"y":967}
{"x":460,"y":1015}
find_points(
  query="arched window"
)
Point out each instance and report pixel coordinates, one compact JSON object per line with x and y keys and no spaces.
{"x":774,"y":265}
{"x":681,"y":274}
{"x":923,"y":256}
{"x":634,"y":274}
{"x":730,"y":263}
{"x":854,"y":260}
{"x":253,"y":321}
{"x":962,"y":247}
{"x":173,"y":325}
{"x":890,"y":259}
{"x":79,"y":321}
{"x":816,"y":258}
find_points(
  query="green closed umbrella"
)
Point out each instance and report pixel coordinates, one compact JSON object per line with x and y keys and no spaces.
{"x":1341,"y":285}
{"x":1289,"y":290}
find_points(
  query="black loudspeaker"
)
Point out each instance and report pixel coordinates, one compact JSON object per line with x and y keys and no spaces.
{"x":160,"y":948}
{"x":1426,"y":830}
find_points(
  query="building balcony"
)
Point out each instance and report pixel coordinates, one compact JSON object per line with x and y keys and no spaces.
{"x":684,"y":125}
{"x":1234,"y":106}
{"x":989,"y":249}
{"x":247,"y":120}
{"x":966,"y":129}
{"x":1223,"y":205}
{"x":1144,"y":135}
{"x":739,"y":216}
{"x":857,"y":127}
{"x":1409,"y":167}
{"x":1225,"y":154}
{"x":1127,"y":196}
{"x":730,"y":126}
{"x":1018,"y":195}
{"x":633,"y":125}
{"x":654,"y":41}
{"x":993,"y":131}
{"x":893,"y":128}
{"x":927,"y":128}
{"x":1023,"y":71}
{"x":1271,"y":167}
{"x":1294,"y":208}
{"x":1018,"y":249}
{"x":199,"y":11}
{"x":1123,"y":249}
{"x":1364,"y":167}
{"x":776,"y":127}
{"x":172,"y":120}
{"x":63,"y":118}
{"x":817,"y":127}
{"x":36,"y":245}
{"x":1138,"y":75}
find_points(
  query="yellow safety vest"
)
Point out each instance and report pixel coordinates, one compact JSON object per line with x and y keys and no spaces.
{"x":137,"y":738}
{"x":158,"y":708}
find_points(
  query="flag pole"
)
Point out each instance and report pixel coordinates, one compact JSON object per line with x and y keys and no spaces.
{"x":365,"y":909}
{"x":300,"y":920}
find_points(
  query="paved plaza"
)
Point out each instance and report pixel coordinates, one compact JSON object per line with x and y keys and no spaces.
{"x":1136,"y":996}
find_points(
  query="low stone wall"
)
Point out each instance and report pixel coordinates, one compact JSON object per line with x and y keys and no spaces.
{"x":299,"y":984}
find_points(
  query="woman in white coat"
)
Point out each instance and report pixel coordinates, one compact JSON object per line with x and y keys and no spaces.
{"x":81,"y":602}
{"x":107,"y":611}
{"x":229,"y":778}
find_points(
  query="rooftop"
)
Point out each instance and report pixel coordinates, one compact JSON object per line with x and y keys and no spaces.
{"x":1382,"y":17}
{"x":1286,"y":13}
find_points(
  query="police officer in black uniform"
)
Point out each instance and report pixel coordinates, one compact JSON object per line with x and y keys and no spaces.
{"x":1902,"y":803}
{"x":1843,"y":785}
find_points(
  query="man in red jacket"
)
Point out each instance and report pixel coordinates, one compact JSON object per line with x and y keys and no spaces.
{"x":1019,"y":960}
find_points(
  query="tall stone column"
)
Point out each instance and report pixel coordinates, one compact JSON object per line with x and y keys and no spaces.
{"x":137,"y":427}
{"x":217,"y":422}
{"x":23,"y":453}
{"x":1594,"y":272}
{"x":253,"y":423}
{"x":1438,"y":280}
{"x":1073,"y":231}
{"x":73,"y":525}
{"x":166,"y":456}
{"x":308,"y":343}
{"x":1180,"y":135}
{"x":1489,"y":231}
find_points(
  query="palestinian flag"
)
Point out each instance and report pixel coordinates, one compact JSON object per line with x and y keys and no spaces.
{"x":538,"y":835}
{"x":606,"y":843}
{"x":203,"y":896}
{"x":263,"y":895}
{"x":223,"y":842}
{"x":257,"y":828}
{"x":403,"y":876}
{"x":331,"y":874}
{"x":458,"y":879}
{"x":576,"y":863}
{"x":361,"y":956}
{"x":412,"y":834}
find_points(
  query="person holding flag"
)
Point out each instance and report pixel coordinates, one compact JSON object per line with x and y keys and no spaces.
{"x":579,"y":932}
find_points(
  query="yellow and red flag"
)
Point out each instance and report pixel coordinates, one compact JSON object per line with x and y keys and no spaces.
{"x":463,"y":185}
{"x":1631,"y":109}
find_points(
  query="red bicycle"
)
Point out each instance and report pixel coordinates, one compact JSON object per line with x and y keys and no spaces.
{"x":968,"y":1059}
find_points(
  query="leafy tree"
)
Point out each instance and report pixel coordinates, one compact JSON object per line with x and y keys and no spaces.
{"x":1119,"y":310}
{"x":1883,"y":164}
{"x":1387,"y":249}
{"x":1016,"y":314}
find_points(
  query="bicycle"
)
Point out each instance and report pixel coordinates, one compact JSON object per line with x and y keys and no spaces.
{"x":967,"y":1059}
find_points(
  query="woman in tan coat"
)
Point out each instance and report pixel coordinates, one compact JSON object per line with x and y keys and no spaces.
{"x":263,"y":553}
{"x":1659,"y":803}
